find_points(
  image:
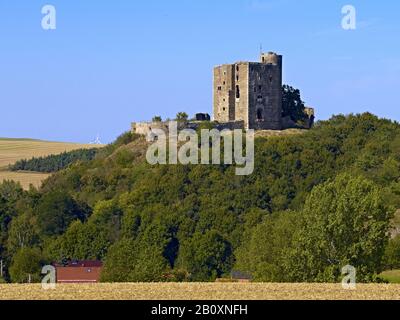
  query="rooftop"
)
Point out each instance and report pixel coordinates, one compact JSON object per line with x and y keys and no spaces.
{"x":80,"y":264}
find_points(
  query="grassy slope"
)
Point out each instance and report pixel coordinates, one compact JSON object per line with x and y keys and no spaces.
{"x":279,"y":133}
{"x":12,"y":150}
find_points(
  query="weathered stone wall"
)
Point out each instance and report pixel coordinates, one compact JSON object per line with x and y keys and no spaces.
{"x":232,"y":125}
{"x":242,"y":93}
{"x":144,"y":128}
{"x":288,"y":123}
{"x":224,"y":94}
{"x":265,"y":87}
{"x":256,"y":90}
{"x":246,"y":95}
{"x":308,"y":122}
{"x":310,"y":112}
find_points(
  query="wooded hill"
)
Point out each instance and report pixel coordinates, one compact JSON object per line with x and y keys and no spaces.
{"x":315,"y":203}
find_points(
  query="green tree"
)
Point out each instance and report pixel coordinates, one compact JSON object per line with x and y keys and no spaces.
{"x":157,"y":119}
{"x":23,"y":233}
{"x":262,"y":253}
{"x":54,"y":163}
{"x":107,"y":214}
{"x":11,"y":194}
{"x":26,"y":265}
{"x":392,"y":254}
{"x":138,"y":260}
{"x":81,"y":241}
{"x":131,"y":261}
{"x":344,"y":222}
{"x":119,"y":261}
{"x":292,"y":104}
{"x":206,"y":256}
{"x":56,"y":210}
{"x":182,"y":117}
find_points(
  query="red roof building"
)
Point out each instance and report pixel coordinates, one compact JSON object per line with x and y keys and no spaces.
{"x":78,"y":272}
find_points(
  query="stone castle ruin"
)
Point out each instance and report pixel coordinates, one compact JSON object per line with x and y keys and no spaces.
{"x":246,"y":95}
{"x":250,"y":92}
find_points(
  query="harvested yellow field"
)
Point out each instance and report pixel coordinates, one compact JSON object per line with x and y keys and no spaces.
{"x":200,"y":291}
{"x":12,"y":150}
{"x":24,"y":178}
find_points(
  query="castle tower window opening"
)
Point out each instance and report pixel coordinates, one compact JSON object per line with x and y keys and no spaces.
{"x":260,"y":115}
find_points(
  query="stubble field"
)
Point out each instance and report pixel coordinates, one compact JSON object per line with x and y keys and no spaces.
{"x":12,"y":150}
{"x":200,"y":291}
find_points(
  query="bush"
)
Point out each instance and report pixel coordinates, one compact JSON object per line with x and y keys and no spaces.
{"x":262,"y":253}
{"x":157,"y":119}
{"x":206,"y":256}
{"x":392,"y":254}
{"x":292,"y":105}
{"x":26,"y":264}
{"x":54,"y":163}
{"x":344,"y":222}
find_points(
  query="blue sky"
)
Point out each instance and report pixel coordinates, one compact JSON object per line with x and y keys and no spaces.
{"x":112,"y":62}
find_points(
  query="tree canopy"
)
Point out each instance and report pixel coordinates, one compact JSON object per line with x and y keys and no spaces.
{"x":315,"y":201}
{"x":292,"y":104}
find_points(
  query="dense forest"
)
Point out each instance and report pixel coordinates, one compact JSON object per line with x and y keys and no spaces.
{"x":316,"y":202}
{"x":54,"y":163}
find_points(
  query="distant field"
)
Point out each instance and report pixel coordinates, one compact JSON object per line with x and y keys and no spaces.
{"x":12,"y":150}
{"x":200,"y":291}
{"x":24,"y":178}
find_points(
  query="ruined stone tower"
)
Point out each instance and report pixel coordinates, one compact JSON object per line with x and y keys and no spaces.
{"x":250,"y":92}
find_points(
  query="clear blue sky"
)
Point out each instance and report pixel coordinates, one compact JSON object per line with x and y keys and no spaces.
{"x":112,"y":62}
